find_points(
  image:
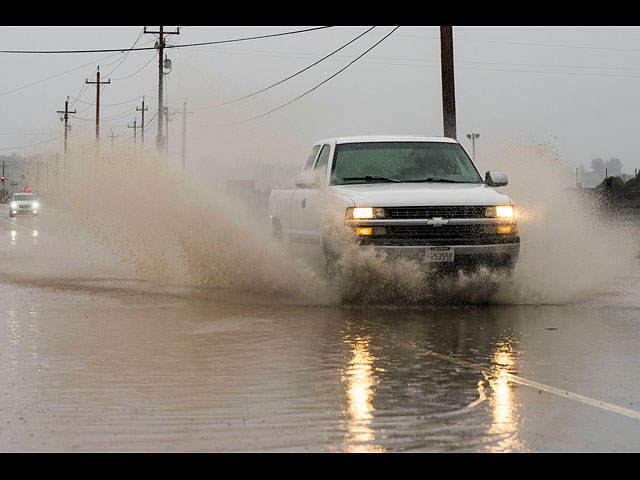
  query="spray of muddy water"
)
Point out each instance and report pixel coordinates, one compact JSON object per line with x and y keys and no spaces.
{"x":568,"y":249}
{"x":178,"y":230}
{"x":175,"y":229}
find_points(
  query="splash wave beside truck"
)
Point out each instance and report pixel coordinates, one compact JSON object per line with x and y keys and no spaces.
{"x":421,"y":198}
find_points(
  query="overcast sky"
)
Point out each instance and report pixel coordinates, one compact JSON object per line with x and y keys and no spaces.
{"x":574,"y":87}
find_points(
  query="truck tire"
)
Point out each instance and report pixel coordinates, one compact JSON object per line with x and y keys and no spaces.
{"x":276,"y":230}
{"x":331,"y":260}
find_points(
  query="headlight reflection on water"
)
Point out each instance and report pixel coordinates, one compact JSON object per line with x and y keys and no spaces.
{"x":505,"y":420}
{"x":360,"y":381}
{"x":15,"y":235}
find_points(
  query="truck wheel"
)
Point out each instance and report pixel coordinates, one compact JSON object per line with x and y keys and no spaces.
{"x":276,"y":230}
{"x":332,"y":269}
{"x":331,"y":260}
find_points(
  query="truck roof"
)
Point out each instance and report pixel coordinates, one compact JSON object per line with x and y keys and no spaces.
{"x":387,"y":138}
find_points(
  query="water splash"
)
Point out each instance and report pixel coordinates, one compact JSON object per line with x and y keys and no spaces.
{"x":173,"y":228}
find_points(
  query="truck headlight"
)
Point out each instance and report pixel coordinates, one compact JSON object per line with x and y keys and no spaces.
{"x":35,"y":205}
{"x":500,"y":211}
{"x":13,"y":205}
{"x":364,"y":213}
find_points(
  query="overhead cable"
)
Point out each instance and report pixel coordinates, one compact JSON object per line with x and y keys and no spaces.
{"x":290,"y":76}
{"x":321,"y":83}
{"x":122,"y":50}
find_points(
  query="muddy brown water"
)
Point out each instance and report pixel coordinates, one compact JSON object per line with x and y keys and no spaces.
{"x":94,"y":358}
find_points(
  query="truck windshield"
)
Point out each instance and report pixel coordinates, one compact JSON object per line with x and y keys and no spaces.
{"x":403,"y":162}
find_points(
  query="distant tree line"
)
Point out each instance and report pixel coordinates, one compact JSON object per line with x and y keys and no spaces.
{"x":600,"y":169}
{"x":617,"y":184}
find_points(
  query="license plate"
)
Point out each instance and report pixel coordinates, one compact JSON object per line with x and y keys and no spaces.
{"x":439,"y":254}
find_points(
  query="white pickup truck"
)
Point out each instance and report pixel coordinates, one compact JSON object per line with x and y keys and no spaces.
{"x":417,"y":197}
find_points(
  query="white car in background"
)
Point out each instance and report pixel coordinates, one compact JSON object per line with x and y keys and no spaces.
{"x":23,"y":204}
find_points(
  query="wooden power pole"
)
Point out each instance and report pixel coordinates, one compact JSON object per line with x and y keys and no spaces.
{"x":142,"y":109}
{"x":65,"y":116}
{"x":97,"y":83}
{"x":184,"y":114}
{"x":135,"y":128}
{"x":448,"y":84}
{"x":160,"y":46}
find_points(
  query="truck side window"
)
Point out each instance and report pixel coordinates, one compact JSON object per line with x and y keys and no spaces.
{"x":323,"y":160}
{"x":311,"y":158}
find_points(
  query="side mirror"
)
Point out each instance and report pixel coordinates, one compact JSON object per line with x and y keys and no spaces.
{"x":307,"y":179}
{"x":496,"y":178}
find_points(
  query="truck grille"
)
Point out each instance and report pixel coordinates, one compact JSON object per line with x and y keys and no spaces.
{"x":444,"y":235}
{"x":428,"y":232}
{"x":436,"y":211}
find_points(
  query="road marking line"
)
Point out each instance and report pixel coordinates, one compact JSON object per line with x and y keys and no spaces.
{"x":15,"y":224}
{"x":529,"y":383}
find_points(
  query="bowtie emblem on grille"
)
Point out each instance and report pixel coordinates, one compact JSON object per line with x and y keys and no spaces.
{"x":437,"y":222}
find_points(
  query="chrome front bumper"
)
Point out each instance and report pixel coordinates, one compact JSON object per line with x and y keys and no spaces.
{"x":467,"y":258}
{"x":508,"y":249}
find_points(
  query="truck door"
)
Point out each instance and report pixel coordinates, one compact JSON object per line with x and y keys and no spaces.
{"x":305,"y":206}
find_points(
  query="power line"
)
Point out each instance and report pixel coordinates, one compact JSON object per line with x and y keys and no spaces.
{"x":323,"y":82}
{"x":139,"y":70}
{"x":132,"y":49}
{"x":247,"y":38}
{"x":110,"y":104}
{"x":294,"y":75}
{"x":48,"y":78}
{"x":581,"y":47}
{"x":57,"y":137}
{"x":528,"y":44}
{"x":124,"y":57}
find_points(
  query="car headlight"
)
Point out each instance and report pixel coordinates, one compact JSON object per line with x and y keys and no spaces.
{"x":35,"y":205}
{"x":500,"y":211}
{"x":13,"y":205}
{"x":364,"y":213}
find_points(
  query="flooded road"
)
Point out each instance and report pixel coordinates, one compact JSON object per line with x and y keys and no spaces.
{"x":95,"y":359}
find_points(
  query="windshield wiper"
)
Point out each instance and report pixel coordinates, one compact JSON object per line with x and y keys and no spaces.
{"x":373,"y":178}
{"x":431,"y":179}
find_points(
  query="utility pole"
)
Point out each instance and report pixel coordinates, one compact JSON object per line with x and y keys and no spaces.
{"x":112,"y":136}
{"x":160,"y":46}
{"x":184,"y":131}
{"x":134,"y":132}
{"x":448,"y":84}
{"x":97,"y":83}
{"x":473,"y":137}
{"x":166,"y":133}
{"x":65,"y":117}
{"x":142,"y":126}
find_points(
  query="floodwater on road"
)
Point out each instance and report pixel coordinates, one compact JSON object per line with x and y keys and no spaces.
{"x":93,"y":358}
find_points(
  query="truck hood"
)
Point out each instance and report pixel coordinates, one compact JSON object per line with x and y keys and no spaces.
{"x":418,"y":194}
